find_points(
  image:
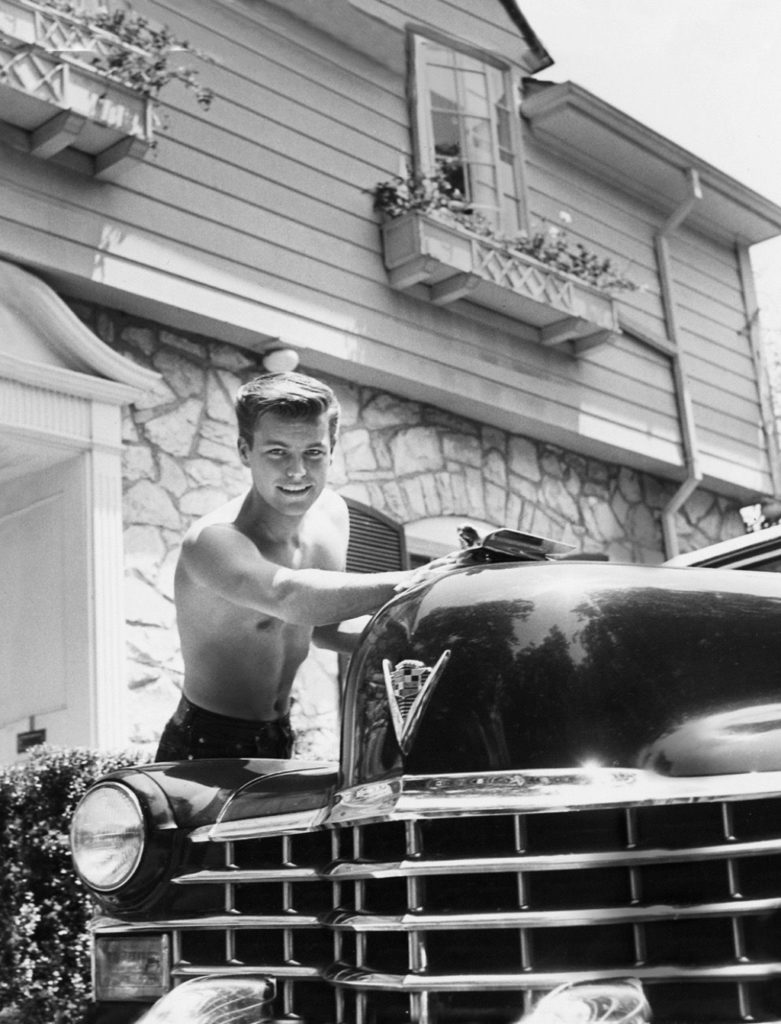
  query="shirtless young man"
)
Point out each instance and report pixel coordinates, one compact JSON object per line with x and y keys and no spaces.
{"x":262,"y":575}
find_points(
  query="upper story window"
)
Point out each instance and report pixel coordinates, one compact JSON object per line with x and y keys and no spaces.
{"x":466,"y":124}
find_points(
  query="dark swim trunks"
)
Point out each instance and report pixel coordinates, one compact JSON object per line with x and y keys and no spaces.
{"x":194,"y":733}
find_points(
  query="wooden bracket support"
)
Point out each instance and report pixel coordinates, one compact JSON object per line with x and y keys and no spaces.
{"x":56,"y":134}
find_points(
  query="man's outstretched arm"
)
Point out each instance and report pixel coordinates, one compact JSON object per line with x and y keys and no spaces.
{"x":225,"y":561}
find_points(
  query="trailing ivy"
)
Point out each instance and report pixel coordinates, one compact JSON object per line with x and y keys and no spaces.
{"x":134,"y":51}
{"x":44,"y":953}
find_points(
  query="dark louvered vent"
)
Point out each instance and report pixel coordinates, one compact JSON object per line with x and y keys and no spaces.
{"x":376,"y":541}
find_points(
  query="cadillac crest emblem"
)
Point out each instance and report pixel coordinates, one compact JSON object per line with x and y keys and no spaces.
{"x":410,"y":685}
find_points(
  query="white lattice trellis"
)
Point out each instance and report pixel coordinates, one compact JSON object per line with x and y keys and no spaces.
{"x":35,"y":75}
{"x":508,"y":271}
{"x":457,"y":265}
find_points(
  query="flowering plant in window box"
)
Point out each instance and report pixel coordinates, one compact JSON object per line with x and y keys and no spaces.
{"x":435,"y":196}
{"x":432,"y":236}
{"x":85,"y":80}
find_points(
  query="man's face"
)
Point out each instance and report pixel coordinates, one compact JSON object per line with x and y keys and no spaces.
{"x":289,"y":461}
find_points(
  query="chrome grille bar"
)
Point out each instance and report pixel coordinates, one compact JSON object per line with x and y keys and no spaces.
{"x":551,"y":862}
{"x":511,"y":981}
{"x":363,"y":922}
{"x":414,"y":921}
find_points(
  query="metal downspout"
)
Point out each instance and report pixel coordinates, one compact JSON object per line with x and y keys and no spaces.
{"x":685,"y":412}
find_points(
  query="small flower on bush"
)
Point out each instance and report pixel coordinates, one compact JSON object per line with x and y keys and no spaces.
{"x":435,"y":196}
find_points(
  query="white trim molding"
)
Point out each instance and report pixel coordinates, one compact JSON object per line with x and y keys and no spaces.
{"x":61,"y":394}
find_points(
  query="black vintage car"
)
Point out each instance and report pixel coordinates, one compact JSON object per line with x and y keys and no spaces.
{"x":558,"y":801}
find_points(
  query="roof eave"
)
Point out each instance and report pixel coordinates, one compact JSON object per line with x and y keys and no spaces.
{"x":541,"y":58}
{"x":645,"y":163}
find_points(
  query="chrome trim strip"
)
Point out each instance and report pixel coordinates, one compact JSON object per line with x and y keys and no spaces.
{"x":254,"y":828}
{"x":436,"y":802}
{"x":348,"y":871}
{"x":356,"y":921}
{"x":278,"y":970}
{"x":365,"y":978}
{"x":595,"y":779}
{"x":501,"y":792}
{"x":237,"y":876}
{"x":109,"y":926}
{"x":505,"y":792}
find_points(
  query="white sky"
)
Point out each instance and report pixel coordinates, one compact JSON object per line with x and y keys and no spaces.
{"x":704,"y":73}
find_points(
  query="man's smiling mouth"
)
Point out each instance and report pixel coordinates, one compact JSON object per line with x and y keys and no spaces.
{"x":295,"y":488}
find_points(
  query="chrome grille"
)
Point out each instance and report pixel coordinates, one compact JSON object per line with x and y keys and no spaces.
{"x":473,"y":917}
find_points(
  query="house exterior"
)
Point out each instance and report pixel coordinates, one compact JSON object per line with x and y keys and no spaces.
{"x":152,"y":258}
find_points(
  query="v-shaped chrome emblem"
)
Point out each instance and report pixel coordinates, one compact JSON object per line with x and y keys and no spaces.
{"x":410,"y":685}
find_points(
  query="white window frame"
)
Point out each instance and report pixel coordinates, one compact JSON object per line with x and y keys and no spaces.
{"x":422,"y":123}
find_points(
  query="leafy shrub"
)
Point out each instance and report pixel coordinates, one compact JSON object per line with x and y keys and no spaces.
{"x":44,"y":955}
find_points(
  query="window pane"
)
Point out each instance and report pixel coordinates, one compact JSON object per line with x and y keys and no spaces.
{"x":483,"y":190}
{"x":509,"y":215}
{"x":443,"y":88}
{"x":477,"y":138}
{"x":447,"y":135}
{"x":475,"y":93}
{"x":441,"y":55}
{"x":503,"y":136}
{"x":450,"y":164}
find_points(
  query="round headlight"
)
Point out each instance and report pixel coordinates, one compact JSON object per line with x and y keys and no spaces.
{"x":107,"y":836}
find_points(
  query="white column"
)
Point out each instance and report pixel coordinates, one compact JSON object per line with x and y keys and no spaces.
{"x":104,"y":483}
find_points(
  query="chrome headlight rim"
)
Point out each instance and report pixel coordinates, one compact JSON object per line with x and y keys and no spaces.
{"x":130,"y":872}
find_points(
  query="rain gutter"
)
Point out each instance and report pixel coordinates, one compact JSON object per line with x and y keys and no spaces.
{"x":683,"y":396}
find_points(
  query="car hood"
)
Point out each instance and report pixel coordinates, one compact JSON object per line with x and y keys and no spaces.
{"x":556,"y":665}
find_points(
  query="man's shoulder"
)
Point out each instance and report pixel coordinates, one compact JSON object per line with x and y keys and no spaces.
{"x":224,"y":515}
{"x":328,"y":531}
{"x":333,"y":504}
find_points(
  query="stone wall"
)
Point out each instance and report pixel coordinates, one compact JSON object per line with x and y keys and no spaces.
{"x":402,"y":458}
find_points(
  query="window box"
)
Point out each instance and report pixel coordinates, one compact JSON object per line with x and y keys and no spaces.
{"x":456,"y":264}
{"x":52,"y":100}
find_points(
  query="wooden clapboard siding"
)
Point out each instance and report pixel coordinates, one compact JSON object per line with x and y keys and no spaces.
{"x":452,"y":353}
{"x":255,"y":219}
{"x":720,"y":368}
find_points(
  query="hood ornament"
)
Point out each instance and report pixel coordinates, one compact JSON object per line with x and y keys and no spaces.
{"x":410,"y":685}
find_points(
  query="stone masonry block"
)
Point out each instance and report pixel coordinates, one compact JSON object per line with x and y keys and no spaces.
{"x":146,"y":504}
{"x":218,"y":405}
{"x":384,"y":410}
{"x":416,"y":450}
{"x":522,"y":459}
{"x":463,"y":448}
{"x":184,"y":377}
{"x":357,"y":451}
{"x":175,"y":431}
